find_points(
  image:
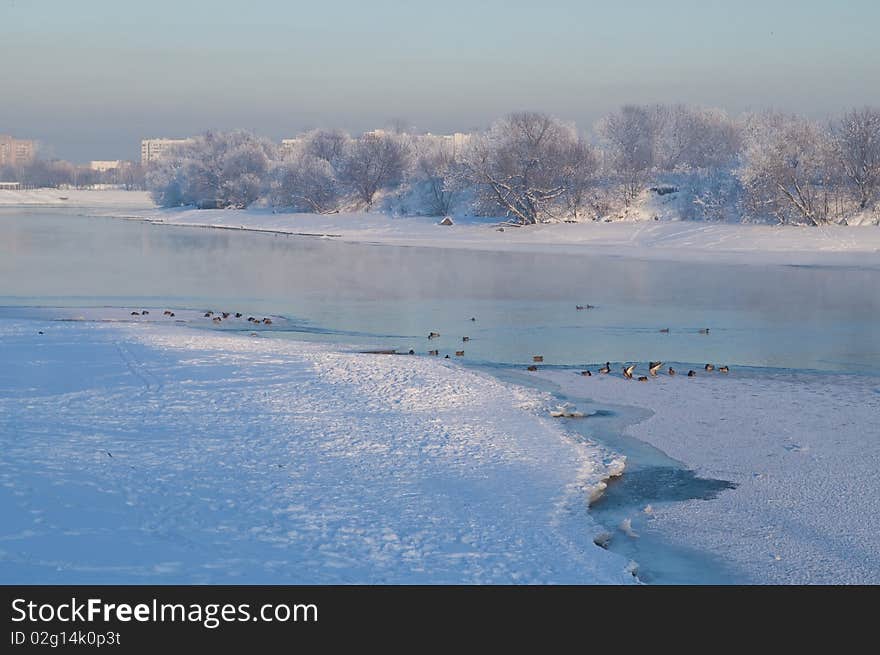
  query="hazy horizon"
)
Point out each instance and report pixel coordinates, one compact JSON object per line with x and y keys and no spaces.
{"x":89,"y":83}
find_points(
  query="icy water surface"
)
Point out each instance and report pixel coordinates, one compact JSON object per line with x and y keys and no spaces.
{"x":786,"y":317}
{"x":824,"y":319}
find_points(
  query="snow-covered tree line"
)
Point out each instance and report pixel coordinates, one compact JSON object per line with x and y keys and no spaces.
{"x":531,"y":167}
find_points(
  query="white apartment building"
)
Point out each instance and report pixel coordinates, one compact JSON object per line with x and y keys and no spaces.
{"x":153,"y":149}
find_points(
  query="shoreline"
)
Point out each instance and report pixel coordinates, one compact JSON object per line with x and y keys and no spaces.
{"x":699,"y":242}
{"x":466,"y":473}
{"x":658,"y":530}
{"x":803,"y":510}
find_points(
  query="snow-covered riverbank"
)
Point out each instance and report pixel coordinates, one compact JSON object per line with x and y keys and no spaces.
{"x":832,"y":245}
{"x":160,"y":454}
{"x":802,"y":448}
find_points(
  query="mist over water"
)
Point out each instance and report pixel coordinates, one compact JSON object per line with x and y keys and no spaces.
{"x":774,"y":316}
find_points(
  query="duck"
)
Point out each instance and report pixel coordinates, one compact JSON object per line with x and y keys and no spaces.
{"x":692,"y":374}
{"x":237,"y":314}
{"x":664,"y":330}
{"x":643,"y":378}
{"x":704,"y":330}
{"x":412,"y":352}
{"x":532,"y":367}
{"x":267,"y":321}
{"x":538,"y":358}
{"x":628,"y":371}
{"x":724,"y":369}
{"x":579,"y":307}
{"x":167,"y":312}
{"x":433,"y":335}
{"x":144,"y":312}
{"x":606,"y":368}
{"x":135,"y":313}
{"x":459,"y":353}
{"x":671,"y":371}
{"x":653,"y":367}
{"x":171,"y":314}
{"x":465,"y":338}
{"x":447,"y":357}
{"x":251,"y":319}
{"x":473,"y":318}
{"x":709,"y":367}
{"x":586,"y":374}
{"x":434,"y":352}
{"x":225,"y":314}
{"x":209,"y":313}
{"x":216,"y":319}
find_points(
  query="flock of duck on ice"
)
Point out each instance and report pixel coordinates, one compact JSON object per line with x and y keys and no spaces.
{"x":627,"y":369}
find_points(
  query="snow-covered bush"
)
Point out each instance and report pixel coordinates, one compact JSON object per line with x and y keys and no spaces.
{"x":305,"y":183}
{"x":373,"y":162}
{"x":227,"y":169}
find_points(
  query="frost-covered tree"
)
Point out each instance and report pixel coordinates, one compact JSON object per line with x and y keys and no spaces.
{"x":526,"y":163}
{"x":306,"y":183}
{"x":229,"y":168}
{"x":788,"y":171}
{"x":328,"y":145}
{"x":691,"y":138}
{"x":856,"y":138}
{"x":374,"y":162}
{"x":437,"y":176}
{"x":630,"y":138}
{"x":579,"y":169}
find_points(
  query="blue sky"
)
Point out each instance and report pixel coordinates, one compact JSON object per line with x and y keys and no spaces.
{"x":89,"y":78}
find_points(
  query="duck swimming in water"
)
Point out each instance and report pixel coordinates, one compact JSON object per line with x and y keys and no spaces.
{"x":628,"y":371}
{"x":692,"y":374}
{"x":653,"y":367}
{"x":709,"y":367}
{"x":643,"y":378}
{"x":723,"y":369}
{"x":606,"y":368}
{"x":671,"y":371}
